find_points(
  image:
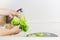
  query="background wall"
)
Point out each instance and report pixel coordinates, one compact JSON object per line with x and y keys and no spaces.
{"x":42,"y":15}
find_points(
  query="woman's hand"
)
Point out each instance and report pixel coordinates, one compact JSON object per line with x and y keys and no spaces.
{"x":7,"y":12}
{"x":5,"y":32}
{"x":10,"y":13}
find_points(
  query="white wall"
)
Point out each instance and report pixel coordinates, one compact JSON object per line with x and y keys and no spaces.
{"x":42,"y":15}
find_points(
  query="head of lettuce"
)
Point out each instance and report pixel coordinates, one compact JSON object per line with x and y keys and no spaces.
{"x":21,"y":22}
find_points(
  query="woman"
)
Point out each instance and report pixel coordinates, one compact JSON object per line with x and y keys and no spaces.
{"x":10,"y":13}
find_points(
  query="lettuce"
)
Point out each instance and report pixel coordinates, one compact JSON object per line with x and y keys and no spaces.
{"x":15,"y":21}
{"x":20,"y":21}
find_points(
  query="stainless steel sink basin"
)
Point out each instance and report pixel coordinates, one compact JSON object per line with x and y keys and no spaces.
{"x":42,"y":34}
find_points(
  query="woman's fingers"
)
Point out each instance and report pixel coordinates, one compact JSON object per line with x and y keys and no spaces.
{"x":15,"y":30}
{"x":6,"y":12}
{"x":10,"y":16}
{"x":5,"y":32}
{"x":13,"y":13}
